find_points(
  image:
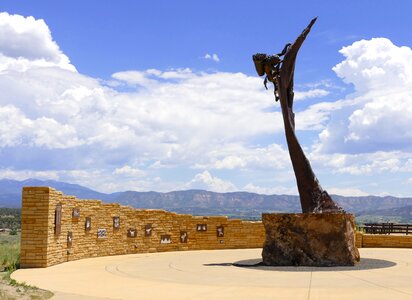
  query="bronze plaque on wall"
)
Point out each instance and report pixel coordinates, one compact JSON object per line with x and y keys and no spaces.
{"x":88,"y":224}
{"x":101,"y":233}
{"x":58,"y":219}
{"x":201,"y":227}
{"x":165,"y":239}
{"x":183,"y":236}
{"x":148,"y":230}
{"x":69,"y":239}
{"x":116,"y":222}
{"x":220,"y":231}
{"x":131,"y":232}
{"x":76,"y":213}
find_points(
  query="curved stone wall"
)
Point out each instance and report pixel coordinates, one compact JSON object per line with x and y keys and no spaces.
{"x":90,"y":228}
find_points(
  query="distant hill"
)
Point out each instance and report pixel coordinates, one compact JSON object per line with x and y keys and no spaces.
{"x":10,"y":190}
{"x":397,"y":214}
{"x":205,"y":199}
{"x":358,"y":204}
{"x":200,"y":202}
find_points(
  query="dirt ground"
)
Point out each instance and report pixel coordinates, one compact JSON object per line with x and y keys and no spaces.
{"x":10,"y":290}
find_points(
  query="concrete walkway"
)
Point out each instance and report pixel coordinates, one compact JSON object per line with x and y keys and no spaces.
{"x":382,"y":274}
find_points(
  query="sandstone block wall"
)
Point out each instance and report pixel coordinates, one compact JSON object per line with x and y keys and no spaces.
{"x":383,"y":241}
{"x":358,"y":239}
{"x":41,"y":247}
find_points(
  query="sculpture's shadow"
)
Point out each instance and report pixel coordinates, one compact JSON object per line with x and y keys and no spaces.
{"x":256,"y":264}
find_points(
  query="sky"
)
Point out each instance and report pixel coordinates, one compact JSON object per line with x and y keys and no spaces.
{"x":163,"y":95}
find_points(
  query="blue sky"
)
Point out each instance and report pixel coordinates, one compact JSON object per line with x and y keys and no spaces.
{"x":142,"y":95}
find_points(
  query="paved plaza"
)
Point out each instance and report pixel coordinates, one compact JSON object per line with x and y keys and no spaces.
{"x":381,"y":274}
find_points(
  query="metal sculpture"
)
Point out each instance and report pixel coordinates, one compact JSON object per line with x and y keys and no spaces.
{"x":279,"y":69}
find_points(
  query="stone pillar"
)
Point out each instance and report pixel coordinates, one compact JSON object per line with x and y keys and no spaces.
{"x":34,"y":227}
{"x":308,"y":239}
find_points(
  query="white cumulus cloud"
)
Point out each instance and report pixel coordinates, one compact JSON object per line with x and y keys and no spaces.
{"x":206,"y":181}
{"x":25,"y":41}
{"x":377,"y":116}
{"x":212,"y":56}
{"x":390,"y":162}
{"x":279,"y":190}
{"x":25,"y":174}
{"x":129,"y":171}
{"x":313,"y":93}
{"x":238,"y":156}
{"x":349,"y":192}
{"x":376,"y":64}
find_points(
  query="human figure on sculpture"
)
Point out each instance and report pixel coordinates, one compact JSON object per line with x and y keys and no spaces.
{"x":270,"y":65}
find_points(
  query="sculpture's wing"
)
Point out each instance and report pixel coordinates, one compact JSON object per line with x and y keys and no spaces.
{"x":288,"y":65}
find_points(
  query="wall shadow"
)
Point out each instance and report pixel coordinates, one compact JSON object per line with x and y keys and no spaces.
{"x":256,"y":264}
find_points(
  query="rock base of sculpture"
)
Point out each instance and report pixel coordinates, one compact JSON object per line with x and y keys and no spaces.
{"x":322,"y":240}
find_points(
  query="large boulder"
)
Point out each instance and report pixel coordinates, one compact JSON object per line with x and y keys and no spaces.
{"x":308,"y":239}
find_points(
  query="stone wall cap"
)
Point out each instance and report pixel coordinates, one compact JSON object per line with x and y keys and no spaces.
{"x":38,"y":188}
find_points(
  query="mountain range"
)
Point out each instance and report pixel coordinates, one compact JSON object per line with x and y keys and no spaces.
{"x":200,"y":202}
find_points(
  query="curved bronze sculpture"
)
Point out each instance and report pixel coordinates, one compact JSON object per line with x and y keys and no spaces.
{"x":280,"y":72}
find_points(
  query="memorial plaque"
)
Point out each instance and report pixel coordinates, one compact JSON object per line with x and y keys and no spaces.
{"x":183,"y":236}
{"x":101,"y":233}
{"x":76,"y":213}
{"x":116,"y":222}
{"x":131,"y":232}
{"x":69,"y":239}
{"x":148,"y":230}
{"x":220,"y":231}
{"x":88,"y":224}
{"x":165,"y":239}
{"x":201,"y":227}
{"x":58,"y":219}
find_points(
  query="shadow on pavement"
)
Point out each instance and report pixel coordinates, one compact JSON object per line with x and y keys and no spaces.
{"x":257,"y":264}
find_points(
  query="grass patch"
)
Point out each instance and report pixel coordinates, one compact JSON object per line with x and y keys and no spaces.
{"x":9,"y":252}
{"x":10,"y":289}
